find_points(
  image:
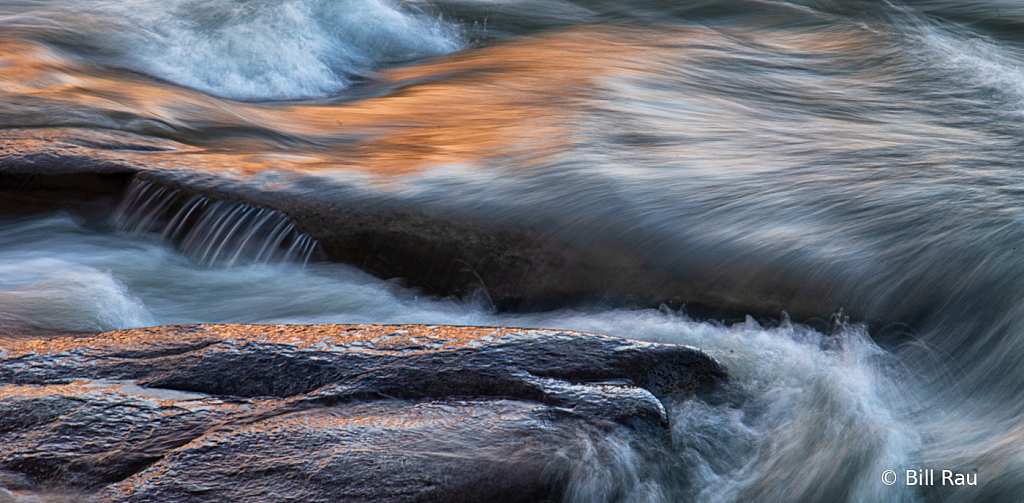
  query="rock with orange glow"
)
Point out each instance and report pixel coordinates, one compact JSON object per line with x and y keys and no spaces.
{"x":496,"y":450}
{"x":337,"y":362}
{"x":89,"y":433}
{"x":331,"y":412}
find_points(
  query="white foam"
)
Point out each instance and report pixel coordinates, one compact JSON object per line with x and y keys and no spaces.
{"x":62,"y":272}
{"x":795,"y":404}
{"x":808,"y":411}
{"x":61,"y":295}
{"x":252,"y":50}
{"x":980,"y":62}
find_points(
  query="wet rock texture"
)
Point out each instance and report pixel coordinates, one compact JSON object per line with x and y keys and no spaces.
{"x":327,"y":413}
{"x":521,"y":267}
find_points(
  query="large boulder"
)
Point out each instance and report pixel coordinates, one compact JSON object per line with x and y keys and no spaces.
{"x":330,"y":412}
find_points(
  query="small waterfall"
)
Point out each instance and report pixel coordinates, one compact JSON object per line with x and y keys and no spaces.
{"x":220,"y":233}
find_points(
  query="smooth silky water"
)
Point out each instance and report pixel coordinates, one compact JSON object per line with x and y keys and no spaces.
{"x":857,"y":156}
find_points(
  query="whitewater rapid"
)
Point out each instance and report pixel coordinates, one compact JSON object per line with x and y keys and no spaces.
{"x":802,"y":401}
{"x":859,"y":160}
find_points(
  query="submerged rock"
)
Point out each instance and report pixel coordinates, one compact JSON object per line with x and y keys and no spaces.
{"x":521,"y":266}
{"x":331,"y":412}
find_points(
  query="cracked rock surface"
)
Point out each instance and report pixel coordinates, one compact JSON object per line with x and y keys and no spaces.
{"x":199,"y":413}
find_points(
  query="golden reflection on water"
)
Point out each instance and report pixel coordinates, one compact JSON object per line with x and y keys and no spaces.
{"x":519,"y":104}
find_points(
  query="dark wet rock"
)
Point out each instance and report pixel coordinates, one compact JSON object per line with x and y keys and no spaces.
{"x":330,"y":412}
{"x":14,"y":481}
{"x":498,"y":450}
{"x":86,"y":193}
{"x":93,"y":432}
{"x":399,"y":362}
{"x":521,"y":267}
{"x":40,"y":176}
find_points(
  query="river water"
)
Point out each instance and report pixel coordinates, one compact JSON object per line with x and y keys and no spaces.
{"x":856,"y":158}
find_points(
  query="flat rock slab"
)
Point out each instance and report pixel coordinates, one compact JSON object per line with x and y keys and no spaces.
{"x":328,"y":412}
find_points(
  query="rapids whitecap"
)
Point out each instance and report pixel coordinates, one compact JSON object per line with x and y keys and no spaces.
{"x":567,"y":165}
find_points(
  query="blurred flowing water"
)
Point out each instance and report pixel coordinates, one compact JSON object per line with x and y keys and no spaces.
{"x":862,"y":156}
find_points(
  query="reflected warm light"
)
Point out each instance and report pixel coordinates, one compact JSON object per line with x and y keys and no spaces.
{"x":519,"y":104}
{"x":404,"y":338}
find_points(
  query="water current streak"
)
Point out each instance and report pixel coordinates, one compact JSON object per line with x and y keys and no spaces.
{"x":809,"y":156}
{"x":213,"y":233}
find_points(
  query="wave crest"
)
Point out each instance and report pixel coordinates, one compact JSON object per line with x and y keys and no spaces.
{"x":249,"y":50}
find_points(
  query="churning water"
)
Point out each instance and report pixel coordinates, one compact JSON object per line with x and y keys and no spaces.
{"x":815,"y":156}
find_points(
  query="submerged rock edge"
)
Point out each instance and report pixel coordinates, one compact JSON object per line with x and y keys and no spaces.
{"x":520,"y":268}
